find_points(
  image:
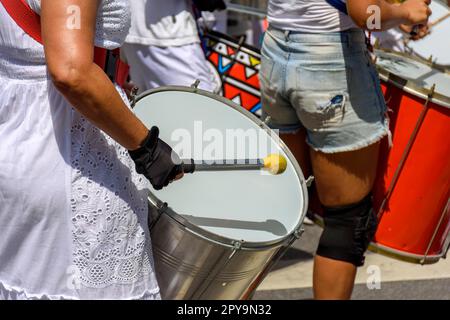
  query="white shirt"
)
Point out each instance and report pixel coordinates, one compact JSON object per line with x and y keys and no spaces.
{"x":163,"y":23}
{"x":315,"y":16}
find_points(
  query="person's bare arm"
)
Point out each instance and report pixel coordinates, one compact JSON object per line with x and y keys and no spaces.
{"x":410,"y":12}
{"x":69,"y":56}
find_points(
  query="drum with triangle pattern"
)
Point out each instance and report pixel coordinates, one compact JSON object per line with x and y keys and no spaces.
{"x":237,"y":68}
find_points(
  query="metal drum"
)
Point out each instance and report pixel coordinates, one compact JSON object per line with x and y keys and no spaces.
{"x":216,"y":234}
{"x":412,"y":189}
{"x":436,"y":46}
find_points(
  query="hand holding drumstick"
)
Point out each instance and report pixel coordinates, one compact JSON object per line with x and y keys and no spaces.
{"x":424,"y":30}
{"x":417,"y":25}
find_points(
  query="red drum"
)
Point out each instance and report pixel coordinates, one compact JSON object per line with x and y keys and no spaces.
{"x":412,"y":188}
{"x":236,"y":66}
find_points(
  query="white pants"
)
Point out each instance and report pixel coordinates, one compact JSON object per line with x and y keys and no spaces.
{"x":153,"y":66}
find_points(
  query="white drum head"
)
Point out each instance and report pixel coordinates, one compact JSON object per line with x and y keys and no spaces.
{"x":413,"y":70}
{"x":437,"y":44}
{"x":243,"y":205}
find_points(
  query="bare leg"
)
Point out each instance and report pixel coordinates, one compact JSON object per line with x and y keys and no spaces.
{"x":332,"y":279}
{"x":345,"y":178}
{"x":341,"y":179}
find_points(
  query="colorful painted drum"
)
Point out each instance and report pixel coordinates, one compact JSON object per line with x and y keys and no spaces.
{"x":215,"y":235}
{"x":237,"y":68}
{"x":413,"y":186}
{"x":436,"y":46}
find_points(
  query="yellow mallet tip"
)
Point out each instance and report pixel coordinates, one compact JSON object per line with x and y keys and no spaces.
{"x":275,"y":163}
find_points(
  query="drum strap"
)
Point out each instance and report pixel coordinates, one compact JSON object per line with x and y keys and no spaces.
{"x":339,"y":5}
{"x":30,"y":22}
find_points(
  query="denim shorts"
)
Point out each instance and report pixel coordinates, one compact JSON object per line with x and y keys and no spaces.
{"x":325,"y":83}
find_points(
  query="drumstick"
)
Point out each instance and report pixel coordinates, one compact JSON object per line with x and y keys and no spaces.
{"x":441,"y":19}
{"x":274,"y":163}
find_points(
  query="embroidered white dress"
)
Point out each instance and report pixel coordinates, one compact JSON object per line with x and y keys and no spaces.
{"x":73,"y":212}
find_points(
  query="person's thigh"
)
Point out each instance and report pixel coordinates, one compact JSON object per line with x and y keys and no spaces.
{"x":344,"y":178}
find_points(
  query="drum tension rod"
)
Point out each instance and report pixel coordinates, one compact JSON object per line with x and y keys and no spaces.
{"x":309,"y":181}
{"x":237,"y":246}
{"x":267,"y":120}
{"x":161,"y":208}
{"x":298,"y":233}
{"x":277,"y":257}
{"x":133,"y":96}
{"x":195,"y":84}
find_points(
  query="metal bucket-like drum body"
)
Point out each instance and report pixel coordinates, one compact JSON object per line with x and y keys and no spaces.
{"x":215,"y":235}
{"x":190,"y":266}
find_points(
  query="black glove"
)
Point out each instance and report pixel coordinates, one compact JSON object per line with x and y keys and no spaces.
{"x":210,"y":5}
{"x":156,"y":160}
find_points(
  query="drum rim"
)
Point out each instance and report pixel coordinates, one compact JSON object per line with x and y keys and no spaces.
{"x":410,"y":86}
{"x":219,"y":239}
{"x":405,"y":256}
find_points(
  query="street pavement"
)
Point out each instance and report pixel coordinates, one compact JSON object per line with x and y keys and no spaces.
{"x":291,"y":278}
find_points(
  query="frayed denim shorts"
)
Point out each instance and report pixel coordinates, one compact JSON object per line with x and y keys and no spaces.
{"x":325,"y":83}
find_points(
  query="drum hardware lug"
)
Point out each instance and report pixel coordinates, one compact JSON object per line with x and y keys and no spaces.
{"x":195,"y":84}
{"x":133,"y":95}
{"x":237,"y":246}
{"x":432,"y":91}
{"x":309,"y":181}
{"x":298,"y":233}
{"x":266,"y":121}
{"x":160,"y":208}
{"x":163,"y":207}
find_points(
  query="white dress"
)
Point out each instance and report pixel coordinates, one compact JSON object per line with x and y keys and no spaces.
{"x":73,"y":212}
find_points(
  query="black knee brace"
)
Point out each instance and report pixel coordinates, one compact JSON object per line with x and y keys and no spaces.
{"x":348,"y":232}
